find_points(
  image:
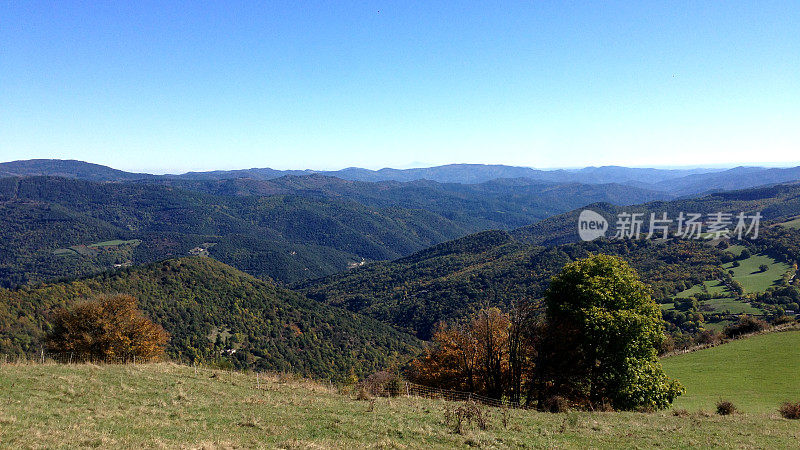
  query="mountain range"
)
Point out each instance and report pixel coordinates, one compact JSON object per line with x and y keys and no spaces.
{"x":289,"y":229}
{"x":670,"y":182}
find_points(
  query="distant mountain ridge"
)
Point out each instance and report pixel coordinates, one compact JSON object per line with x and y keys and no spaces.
{"x":672,"y":181}
{"x":69,"y":169}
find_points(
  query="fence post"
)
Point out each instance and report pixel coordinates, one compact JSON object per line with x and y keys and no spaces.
{"x":42,"y":355}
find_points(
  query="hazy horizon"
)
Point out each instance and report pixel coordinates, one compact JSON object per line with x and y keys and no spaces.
{"x":158,"y":171}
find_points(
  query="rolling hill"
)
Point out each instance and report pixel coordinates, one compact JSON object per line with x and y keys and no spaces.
{"x":775,"y":203}
{"x":449,"y":280}
{"x":291,"y":228}
{"x":197,"y":300}
{"x":285,"y":237}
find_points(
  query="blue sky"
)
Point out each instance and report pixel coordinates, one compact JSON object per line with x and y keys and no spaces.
{"x":169,"y":87}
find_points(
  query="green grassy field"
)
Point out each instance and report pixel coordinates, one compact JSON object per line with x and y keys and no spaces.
{"x":713,"y":287}
{"x":735,"y":249}
{"x":718,"y":326}
{"x":752,"y":279}
{"x":115,"y":243}
{"x":732,"y":305}
{"x":747,"y":273}
{"x":724,"y":304}
{"x":89,"y":250}
{"x":757,"y":374}
{"x":166,"y":405}
{"x":794,"y":223}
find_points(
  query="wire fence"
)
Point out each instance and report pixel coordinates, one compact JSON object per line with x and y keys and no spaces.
{"x":71,"y":358}
{"x":418,"y":390}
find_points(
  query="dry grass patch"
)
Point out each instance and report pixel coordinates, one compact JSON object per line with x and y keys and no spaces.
{"x":165,"y":405}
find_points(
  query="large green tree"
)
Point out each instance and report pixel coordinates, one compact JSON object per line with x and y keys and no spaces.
{"x":603,"y":331}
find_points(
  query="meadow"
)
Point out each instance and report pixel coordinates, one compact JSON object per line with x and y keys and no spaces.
{"x":757,"y":374}
{"x":793,"y":223}
{"x":169,"y":405}
{"x":752,"y":278}
{"x":748,"y":272}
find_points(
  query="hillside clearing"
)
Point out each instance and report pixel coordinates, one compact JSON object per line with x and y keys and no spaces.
{"x":747,"y":272}
{"x":752,"y":278}
{"x":757,"y":374}
{"x":58,"y":406}
{"x":793,"y":223}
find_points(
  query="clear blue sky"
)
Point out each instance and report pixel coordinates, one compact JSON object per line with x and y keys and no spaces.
{"x":206,"y":85}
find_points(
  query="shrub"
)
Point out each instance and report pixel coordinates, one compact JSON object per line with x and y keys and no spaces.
{"x":106,"y":327}
{"x":465,"y":415}
{"x":746,"y":325}
{"x":790,"y":410}
{"x":685,"y":304}
{"x":680,"y":413}
{"x":386,"y":384}
{"x":556,"y":404}
{"x":780,"y":320}
{"x":362,"y":394}
{"x":725,"y":407}
{"x":394,"y":386}
{"x":708,"y":337}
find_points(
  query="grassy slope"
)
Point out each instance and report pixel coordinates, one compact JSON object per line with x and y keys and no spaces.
{"x":169,"y":406}
{"x":747,"y":273}
{"x":732,"y":305}
{"x":752,"y":279}
{"x":757,"y":374}
{"x":794,"y":223}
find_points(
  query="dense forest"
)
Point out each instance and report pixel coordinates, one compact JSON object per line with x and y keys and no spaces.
{"x":290,"y":229}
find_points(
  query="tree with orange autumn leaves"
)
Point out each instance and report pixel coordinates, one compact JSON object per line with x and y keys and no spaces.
{"x":486,"y":354}
{"x":106,"y":327}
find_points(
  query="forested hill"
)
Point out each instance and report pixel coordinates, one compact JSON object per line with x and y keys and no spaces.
{"x":69,"y":169}
{"x":212,"y":310}
{"x":449,"y":280}
{"x":55,"y":227}
{"x":500,"y":204}
{"x":289,"y":229}
{"x":775,"y":203}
